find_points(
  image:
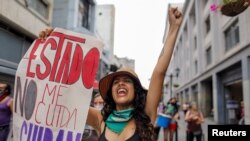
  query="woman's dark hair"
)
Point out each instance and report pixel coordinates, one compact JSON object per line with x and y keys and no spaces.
{"x":143,"y":123}
{"x":8,"y":89}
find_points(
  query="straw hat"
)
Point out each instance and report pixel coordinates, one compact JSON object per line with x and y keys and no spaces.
{"x":106,"y":82}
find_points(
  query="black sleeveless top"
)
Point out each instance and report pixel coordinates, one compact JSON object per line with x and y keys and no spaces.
{"x":135,"y":137}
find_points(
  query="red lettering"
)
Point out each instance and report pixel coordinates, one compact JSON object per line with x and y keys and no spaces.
{"x":72,"y":38}
{"x":32,"y":57}
{"x":62,"y":37}
{"x":52,"y":118}
{"x":38,"y":107}
{"x":64,"y":66}
{"x":54,"y":109}
{"x":57,"y":56}
{"x":53,"y":91}
{"x":76,"y":66}
{"x":90,"y":66}
{"x":58,"y":116}
{"x":45,"y":60}
{"x":68,"y":117}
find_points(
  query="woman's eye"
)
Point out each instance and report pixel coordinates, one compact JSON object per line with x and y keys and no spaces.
{"x":115,"y":82}
{"x":128,"y":80}
{"x":125,"y":80}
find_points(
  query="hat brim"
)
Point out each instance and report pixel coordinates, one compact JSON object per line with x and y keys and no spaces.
{"x":106,"y":82}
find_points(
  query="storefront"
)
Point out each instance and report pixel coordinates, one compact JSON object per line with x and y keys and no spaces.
{"x":231,"y":82}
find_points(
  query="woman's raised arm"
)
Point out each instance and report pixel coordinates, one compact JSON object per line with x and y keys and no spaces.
{"x":157,"y":78}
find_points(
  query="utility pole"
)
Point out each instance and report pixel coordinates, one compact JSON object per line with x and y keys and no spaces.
{"x":171,"y":84}
{"x":171,"y":94}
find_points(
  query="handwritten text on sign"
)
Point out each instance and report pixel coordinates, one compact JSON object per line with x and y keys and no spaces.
{"x":53,"y":87}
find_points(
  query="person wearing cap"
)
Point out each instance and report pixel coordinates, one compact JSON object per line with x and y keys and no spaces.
{"x":130,"y":110}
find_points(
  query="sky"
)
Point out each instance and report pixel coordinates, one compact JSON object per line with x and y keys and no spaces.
{"x":139,"y":30}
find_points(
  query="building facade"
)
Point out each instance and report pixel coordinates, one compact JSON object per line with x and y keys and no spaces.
{"x":20,"y":23}
{"x":127,"y":62}
{"x":105,"y":26}
{"x":212,"y":54}
{"x":75,"y":15}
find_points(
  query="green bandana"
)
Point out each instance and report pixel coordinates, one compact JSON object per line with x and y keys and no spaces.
{"x":118,"y":120}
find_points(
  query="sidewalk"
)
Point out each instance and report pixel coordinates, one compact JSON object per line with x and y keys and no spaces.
{"x":182,"y":129}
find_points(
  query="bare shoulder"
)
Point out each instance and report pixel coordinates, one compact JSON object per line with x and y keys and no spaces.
{"x":94,"y":118}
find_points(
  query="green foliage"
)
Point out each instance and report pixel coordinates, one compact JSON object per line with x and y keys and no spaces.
{"x":176,"y":85}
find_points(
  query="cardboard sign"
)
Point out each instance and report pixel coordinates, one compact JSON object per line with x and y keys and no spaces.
{"x":53,"y":87}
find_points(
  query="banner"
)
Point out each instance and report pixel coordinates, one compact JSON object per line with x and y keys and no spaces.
{"x":53,"y":87}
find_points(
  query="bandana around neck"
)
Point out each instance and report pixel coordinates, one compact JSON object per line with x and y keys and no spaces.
{"x":118,"y":120}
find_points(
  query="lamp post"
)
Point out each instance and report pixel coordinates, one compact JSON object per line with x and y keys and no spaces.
{"x":177,"y":70}
{"x":171,"y":84}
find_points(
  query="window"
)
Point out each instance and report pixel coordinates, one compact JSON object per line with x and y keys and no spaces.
{"x":40,"y":6}
{"x":195,"y":42}
{"x":192,"y":15}
{"x":205,"y":3}
{"x":187,"y":95}
{"x":185,"y":36}
{"x":232,"y":36}
{"x":180,"y":41}
{"x":11,"y":39}
{"x":195,"y":66}
{"x":83,"y":18}
{"x":207,"y":23}
{"x":195,"y":93}
{"x":209,"y":55}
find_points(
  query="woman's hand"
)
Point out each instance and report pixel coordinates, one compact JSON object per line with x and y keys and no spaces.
{"x":45,"y":33}
{"x":195,"y":117}
{"x":175,"y":17}
{"x":188,"y":116}
{"x":176,"y":116}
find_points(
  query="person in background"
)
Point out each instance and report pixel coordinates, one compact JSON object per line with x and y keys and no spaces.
{"x":194,"y":119}
{"x":241,"y":114}
{"x":185,"y":107}
{"x":90,"y":134}
{"x":6,"y":106}
{"x":172,"y":110}
{"x":130,"y":111}
{"x":157,"y":128}
{"x":98,"y":102}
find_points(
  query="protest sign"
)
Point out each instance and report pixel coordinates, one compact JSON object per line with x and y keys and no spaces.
{"x":53,"y":87}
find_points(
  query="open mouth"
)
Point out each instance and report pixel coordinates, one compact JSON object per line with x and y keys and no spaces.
{"x":121,"y":92}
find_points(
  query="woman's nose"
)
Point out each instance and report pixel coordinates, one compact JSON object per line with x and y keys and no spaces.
{"x":121,"y":82}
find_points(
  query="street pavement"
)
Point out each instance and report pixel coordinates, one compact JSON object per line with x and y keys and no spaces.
{"x":181,"y":131}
